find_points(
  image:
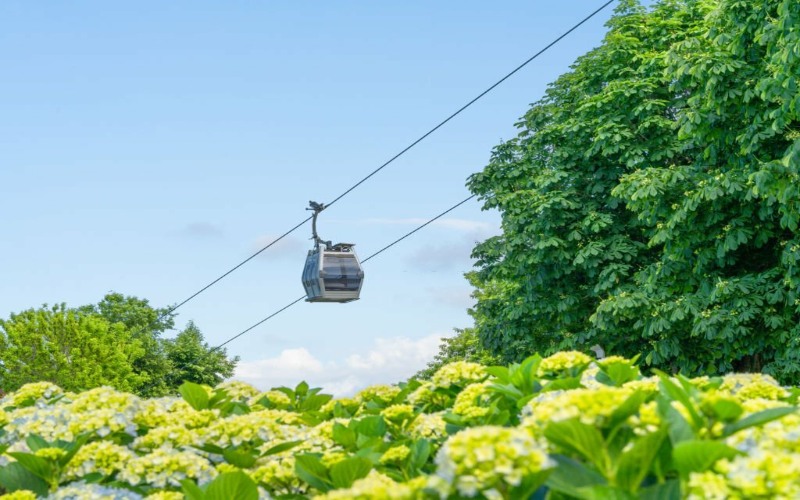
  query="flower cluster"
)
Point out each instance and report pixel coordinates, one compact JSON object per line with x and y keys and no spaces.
{"x":467,"y":432}
{"x":482,"y":459}
{"x":460,"y":373}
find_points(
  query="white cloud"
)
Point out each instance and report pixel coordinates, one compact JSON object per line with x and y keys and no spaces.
{"x":452,"y":252}
{"x":202,"y":230}
{"x":289,"y":246}
{"x":454,"y":296}
{"x":388,"y":361}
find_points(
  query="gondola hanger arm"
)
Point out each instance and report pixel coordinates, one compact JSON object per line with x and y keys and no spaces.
{"x":317,"y":208}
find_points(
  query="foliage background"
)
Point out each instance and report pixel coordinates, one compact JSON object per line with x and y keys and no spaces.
{"x":650,"y":200}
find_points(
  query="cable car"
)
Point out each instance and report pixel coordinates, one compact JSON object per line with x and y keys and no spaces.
{"x":332,"y":272}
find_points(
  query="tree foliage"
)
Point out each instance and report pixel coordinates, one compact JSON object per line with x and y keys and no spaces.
{"x":116,"y":342}
{"x":146,"y":324}
{"x":192,"y":360}
{"x":463,"y":346}
{"x":650,"y":202}
{"x":75,"y":351}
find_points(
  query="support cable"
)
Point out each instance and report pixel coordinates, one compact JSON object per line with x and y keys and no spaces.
{"x":390,"y":245}
{"x":398,"y":155}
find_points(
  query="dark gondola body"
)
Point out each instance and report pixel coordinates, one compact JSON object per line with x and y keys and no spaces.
{"x":332,"y":274}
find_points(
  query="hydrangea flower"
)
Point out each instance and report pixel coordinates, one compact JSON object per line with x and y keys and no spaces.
{"x":351,"y":405}
{"x":165,"y":495}
{"x":459,"y":373}
{"x":591,"y":406}
{"x":473,"y":402}
{"x":562,"y":363}
{"x":161,"y":412}
{"x":104,"y":457}
{"x":383,"y":394}
{"x":19,"y":495}
{"x":763,"y":474}
{"x":176,"y":436}
{"x":277,"y":399}
{"x":490,"y":457}
{"x":91,"y":491}
{"x":753,"y":385}
{"x":395,"y":454}
{"x":429,"y":426}
{"x":49,"y":422}
{"x":398,"y":413}
{"x":375,"y":485}
{"x":37,"y":393}
{"x":167,"y":467}
{"x":238,"y":391}
{"x":425,"y":396}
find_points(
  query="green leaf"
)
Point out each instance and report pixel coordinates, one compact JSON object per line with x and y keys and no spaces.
{"x":726,"y":410}
{"x":191,"y":490}
{"x":36,"y":465}
{"x":278,"y":448}
{"x":634,"y":464}
{"x":301,"y":389}
{"x":232,"y":485}
{"x":499,"y":372}
{"x":679,"y":428}
{"x":211,"y":448}
{"x":563,"y":384}
{"x":759,"y":418}
{"x":15,"y":476}
{"x":217,"y":397}
{"x":668,"y":490}
{"x":699,"y":456}
{"x":344,"y":436}
{"x":373,"y":426}
{"x":584,"y":440}
{"x":195,"y":395}
{"x":617,"y":374}
{"x":240,"y":457}
{"x":420,"y":451}
{"x":310,"y":469}
{"x":36,"y":442}
{"x":314,"y":402}
{"x":628,"y":407}
{"x":679,"y":394}
{"x":343,"y":473}
{"x":604,"y":492}
{"x":570,"y":476}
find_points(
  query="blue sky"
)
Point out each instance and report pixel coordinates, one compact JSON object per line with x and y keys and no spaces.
{"x":147,"y":147}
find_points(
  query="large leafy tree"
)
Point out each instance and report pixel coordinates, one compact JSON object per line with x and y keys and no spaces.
{"x":146,"y":324}
{"x":75,"y":351}
{"x":463,"y":346}
{"x":192,"y":360}
{"x":650,"y":201}
{"x":116,"y":342}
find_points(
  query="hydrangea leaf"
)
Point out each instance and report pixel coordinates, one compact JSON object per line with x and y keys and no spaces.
{"x":344,"y":473}
{"x":698,"y":456}
{"x":571,"y":475}
{"x":195,"y":395}
{"x":232,"y":485}
{"x":15,"y":476}
{"x":758,"y":419}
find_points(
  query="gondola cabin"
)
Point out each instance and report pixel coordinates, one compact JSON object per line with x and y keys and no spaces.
{"x":332,"y":274}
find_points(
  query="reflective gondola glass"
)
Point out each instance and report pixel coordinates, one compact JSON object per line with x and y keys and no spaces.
{"x":332,"y":275}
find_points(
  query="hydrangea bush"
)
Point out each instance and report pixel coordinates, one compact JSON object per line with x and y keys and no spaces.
{"x":565,"y":426}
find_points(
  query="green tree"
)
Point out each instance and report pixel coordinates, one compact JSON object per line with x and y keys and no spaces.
{"x":463,"y":346}
{"x":650,"y":201}
{"x":146,"y":324}
{"x":74,"y":351}
{"x":722,"y":292}
{"x":193,"y":360}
